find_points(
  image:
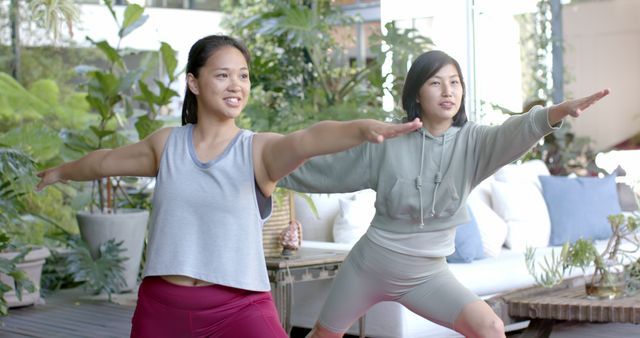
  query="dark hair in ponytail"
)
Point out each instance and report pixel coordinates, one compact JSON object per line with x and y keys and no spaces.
{"x":198,"y":55}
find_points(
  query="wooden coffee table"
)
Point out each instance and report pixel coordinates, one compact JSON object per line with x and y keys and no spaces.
{"x":565,"y":302}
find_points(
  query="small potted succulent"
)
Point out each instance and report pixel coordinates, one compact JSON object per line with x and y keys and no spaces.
{"x":616,"y":271}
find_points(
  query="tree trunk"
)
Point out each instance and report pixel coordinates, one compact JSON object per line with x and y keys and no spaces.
{"x":14,"y":18}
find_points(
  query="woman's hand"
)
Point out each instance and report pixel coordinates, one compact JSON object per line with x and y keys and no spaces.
{"x":377,"y":131}
{"x":574,"y":107}
{"x":48,"y":177}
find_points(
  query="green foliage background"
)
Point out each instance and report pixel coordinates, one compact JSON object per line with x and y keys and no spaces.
{"x":301,"y":74}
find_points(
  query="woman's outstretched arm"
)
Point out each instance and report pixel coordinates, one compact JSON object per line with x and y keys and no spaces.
{"x":138,"y":159}
{"x":281,"y":154}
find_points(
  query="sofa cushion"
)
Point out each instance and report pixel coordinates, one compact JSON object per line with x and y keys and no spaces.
{"x":468,"y":243}
{"x":521,"y":205}
{"x":579,"y":207}
{"x":526,"y":172}
{"x":492,"y":228}
{"x":517,"y":198}
{"x":318,"y":227}
{"x":628,"y":198}
{"x":354,"y":216}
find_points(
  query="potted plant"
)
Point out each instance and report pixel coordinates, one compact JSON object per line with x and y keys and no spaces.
{"x":117,"y":93}
{"x":20,"y":264}
{"x":613,"y":269}
{"x":44,"y":222}
{"x":13,"y":280}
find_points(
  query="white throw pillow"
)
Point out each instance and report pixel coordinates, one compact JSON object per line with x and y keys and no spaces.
{"x":522,"y":206}
{"x":318,"y":227}
{"x":493,"y":229}
{"x":526,"y":172}
{"x":354,"y":217}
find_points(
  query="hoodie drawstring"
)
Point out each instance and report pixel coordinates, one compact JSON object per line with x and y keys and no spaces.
{"x":419,"y":182}
{"x":437,"y":180}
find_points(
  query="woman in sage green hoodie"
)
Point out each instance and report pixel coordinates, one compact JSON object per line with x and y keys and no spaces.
{"x":422,"y":181}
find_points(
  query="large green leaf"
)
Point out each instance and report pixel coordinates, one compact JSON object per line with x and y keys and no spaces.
{"x":46,"y":90}
{"x":145,"y":126}
{"x":110,"y":52}
{"x":146,"y":96}
{"x":298,"y":26}
{"x":169,"y":60}
{"x":16,"y":176}
{"x":132,"y":13}
{"x":102,"y":274}
{"x":99,"y":104}
{"x":109,"y":4}
{"x":35,"y":139}
{"x":129,"y":79}
{"x":101,"y":133}
{"x":104,"y":85}
{"x":15,"y":163}
{"x":20,"y":100}
{"x":165,"y":95}
{"x":133,"y":19}
{"x":78,"y":143}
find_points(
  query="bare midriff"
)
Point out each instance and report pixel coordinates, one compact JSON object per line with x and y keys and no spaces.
{"x":185,"y":281}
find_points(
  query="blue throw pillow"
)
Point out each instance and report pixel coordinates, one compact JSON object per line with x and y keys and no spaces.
{"x":468,"y":242}
{"x":579,"y":207}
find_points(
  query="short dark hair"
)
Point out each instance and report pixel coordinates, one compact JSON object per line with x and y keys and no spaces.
{"x":198,"y":55}
{"x":422,"y":69}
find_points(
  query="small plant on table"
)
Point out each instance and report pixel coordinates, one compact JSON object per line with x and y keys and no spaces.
{"x":615,"y":269}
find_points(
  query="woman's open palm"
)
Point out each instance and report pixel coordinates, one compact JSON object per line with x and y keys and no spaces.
{"x":577,"y":106}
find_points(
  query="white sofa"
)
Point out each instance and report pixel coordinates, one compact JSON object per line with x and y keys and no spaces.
{"x":509,"y":210}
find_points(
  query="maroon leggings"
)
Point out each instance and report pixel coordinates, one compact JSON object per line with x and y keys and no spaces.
{"x":175,"y":311}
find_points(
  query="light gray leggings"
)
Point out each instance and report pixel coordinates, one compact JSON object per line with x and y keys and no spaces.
{"x":372,"y":274}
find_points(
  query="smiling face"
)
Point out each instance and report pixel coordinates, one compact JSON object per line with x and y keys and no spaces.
{"x":440,"y":96}
{"x":222,"y":86}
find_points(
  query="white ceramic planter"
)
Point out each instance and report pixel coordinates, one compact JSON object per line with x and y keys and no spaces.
{"x":32,"y":266}
{"x":128,"y":226}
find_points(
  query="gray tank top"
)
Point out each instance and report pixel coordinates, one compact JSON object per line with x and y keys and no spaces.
{"x":205,"y":221}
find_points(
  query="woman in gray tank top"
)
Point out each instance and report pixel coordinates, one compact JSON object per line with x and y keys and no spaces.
{"x":422,"y":180}
{"x":205,"y":274}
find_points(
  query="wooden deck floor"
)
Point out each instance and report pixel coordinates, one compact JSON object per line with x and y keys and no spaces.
{"x":71,"y":314}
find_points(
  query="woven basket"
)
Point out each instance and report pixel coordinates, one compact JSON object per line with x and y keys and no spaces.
{"x":271,"y":231}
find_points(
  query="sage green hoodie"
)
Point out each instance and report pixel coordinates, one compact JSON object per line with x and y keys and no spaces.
{"x":422,"y":181}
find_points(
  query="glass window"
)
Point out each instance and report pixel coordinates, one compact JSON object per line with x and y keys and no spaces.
{"x":503,"y":66}
{"x":168,"y":3}
{"x":423,"y":26}
{"x":207,"y":5}
{"x":355,"y":40}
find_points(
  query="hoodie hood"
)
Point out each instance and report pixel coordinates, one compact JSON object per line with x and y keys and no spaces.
{"x":448,"y":135}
